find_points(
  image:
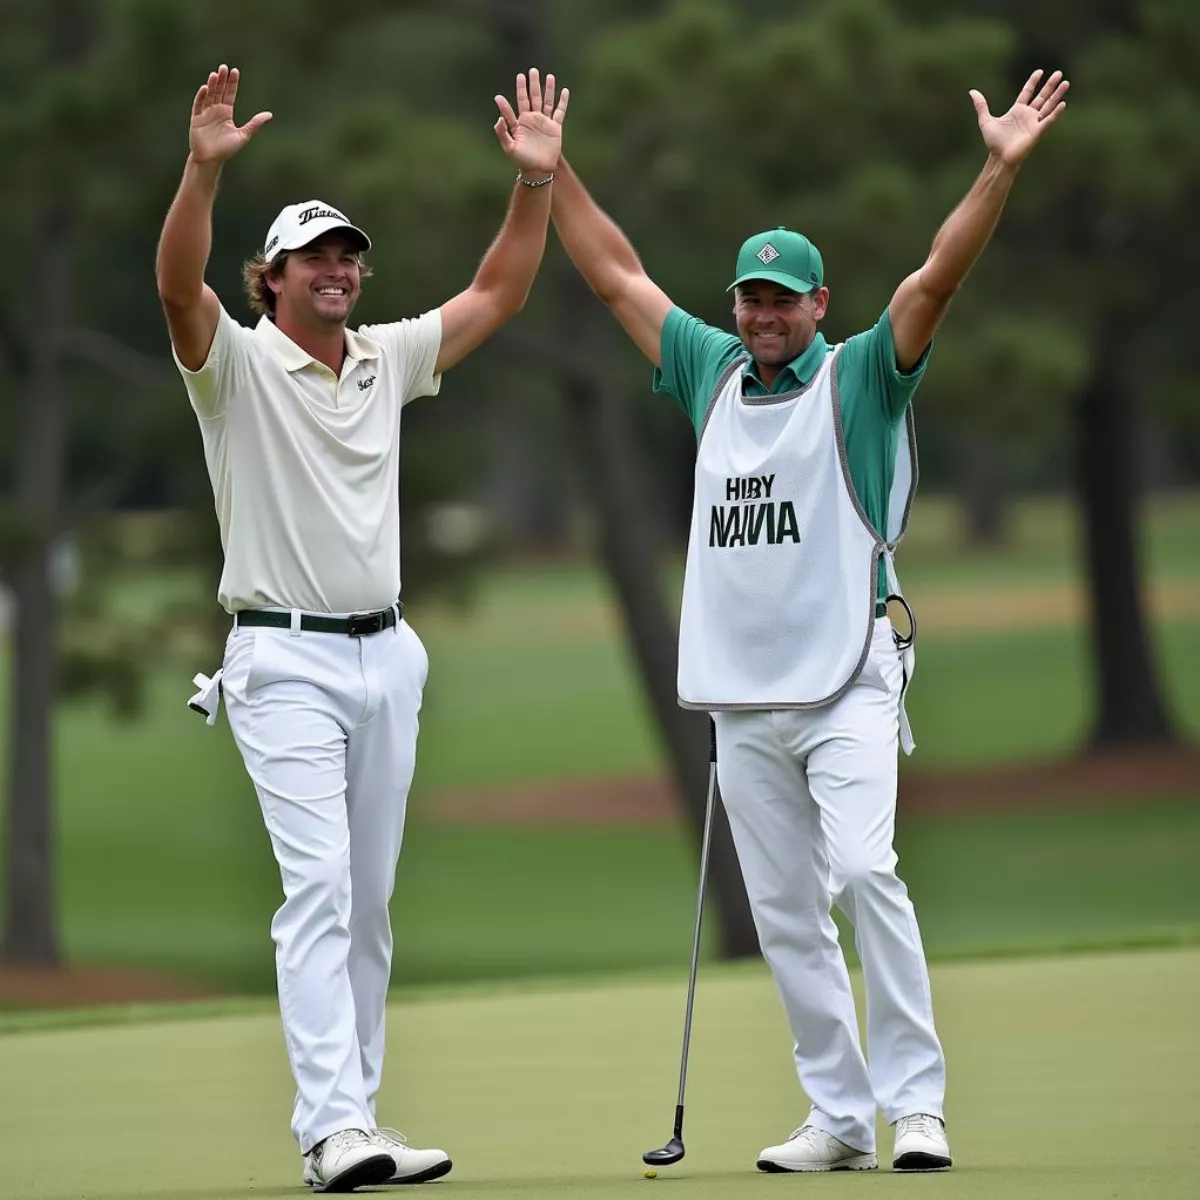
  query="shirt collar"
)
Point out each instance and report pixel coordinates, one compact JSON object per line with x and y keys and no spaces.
{"x":798,"y":373}
{"x":359,"y":346}
{"x":294,"y":358}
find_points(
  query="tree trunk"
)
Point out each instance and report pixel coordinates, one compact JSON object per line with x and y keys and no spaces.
{"x":1131,"y":708}
{"x":629,"y":552}
{"x":982,"y":489}
{"x":30,"y":928}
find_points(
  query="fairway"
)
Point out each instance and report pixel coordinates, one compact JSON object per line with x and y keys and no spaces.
{"x":1070,"y":1079}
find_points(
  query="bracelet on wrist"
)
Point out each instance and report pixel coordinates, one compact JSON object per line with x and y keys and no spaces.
{"x":535,"y":183}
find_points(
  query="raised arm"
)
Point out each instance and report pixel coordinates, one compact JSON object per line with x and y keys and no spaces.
{"x":609,"y":263}
{"x":921,"y":300}
{"x":532,"y":139}
{"x":191,"y":306}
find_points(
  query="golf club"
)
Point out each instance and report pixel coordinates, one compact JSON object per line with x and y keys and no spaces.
{"x":673,"y":1151}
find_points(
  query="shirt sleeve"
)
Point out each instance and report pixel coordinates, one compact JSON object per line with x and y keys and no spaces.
{"x":869,"y":359}
{"x":693,"y":357}
{"x":413,"y":346}
{"x":213,"y":383}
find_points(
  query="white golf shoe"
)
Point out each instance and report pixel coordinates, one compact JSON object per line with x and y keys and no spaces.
{"x":812,"y":1149}
{"x":347,"y":1160}
{"x":411,"y":1165}
{"x":921,"y":1144}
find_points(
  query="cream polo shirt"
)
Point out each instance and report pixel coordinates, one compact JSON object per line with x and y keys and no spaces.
{"x":305,"y":467}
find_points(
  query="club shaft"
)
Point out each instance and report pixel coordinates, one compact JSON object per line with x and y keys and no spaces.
{"x":691,"y":992}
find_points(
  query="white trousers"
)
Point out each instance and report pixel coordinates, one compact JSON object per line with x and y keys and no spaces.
{"x":327,"y":728}
{"x":811,"y":798}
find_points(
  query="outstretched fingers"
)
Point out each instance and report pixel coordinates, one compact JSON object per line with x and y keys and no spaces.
{"x":1026,"y":93}
{"x":1048,"y":116}
{"x":535,"y":96}
{"x":207,"y":96}
{"x":220,"y":86}
{"x":1053,"y":105}
{"x":981,"y":105}
{"x":1047,"y":90}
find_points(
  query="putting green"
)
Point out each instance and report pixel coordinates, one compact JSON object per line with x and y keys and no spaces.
{"x":1069,"y":1078}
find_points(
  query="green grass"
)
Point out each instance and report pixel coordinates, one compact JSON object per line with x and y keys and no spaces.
{"x":980,"y":700}
{"x":1055,"y":879}
{"x":1068,"y":1080}
{"x":510,"y":902}
{"x":525,"y":705}
{"x":1043,"y":544}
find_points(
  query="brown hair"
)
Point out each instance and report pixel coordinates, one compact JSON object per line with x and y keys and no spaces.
{"x":257,"y":270}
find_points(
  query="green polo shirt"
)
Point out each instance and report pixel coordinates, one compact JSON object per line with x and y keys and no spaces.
{"x":874,"y":394}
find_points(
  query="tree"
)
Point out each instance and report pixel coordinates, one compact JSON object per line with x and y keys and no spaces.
{"x":36,"y":368}
{"x":1106,"y":232}
{"x":68,"y":126}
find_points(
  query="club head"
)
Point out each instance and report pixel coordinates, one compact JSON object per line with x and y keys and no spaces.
{"x":672,"y":1152}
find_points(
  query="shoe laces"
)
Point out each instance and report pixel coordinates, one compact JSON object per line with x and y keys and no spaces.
{"x":806,"y":1133}
{"x":921,"y":1123}
{"x":344,"y":1139}
{"x":392,"y":1135}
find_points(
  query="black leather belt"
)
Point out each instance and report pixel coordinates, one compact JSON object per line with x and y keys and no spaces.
{"x":357,"y":625}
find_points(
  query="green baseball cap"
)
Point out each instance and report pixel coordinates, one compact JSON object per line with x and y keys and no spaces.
{"x":780,"y":256}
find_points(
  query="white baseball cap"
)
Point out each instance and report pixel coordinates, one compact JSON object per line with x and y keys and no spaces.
{"x":299,"y":224}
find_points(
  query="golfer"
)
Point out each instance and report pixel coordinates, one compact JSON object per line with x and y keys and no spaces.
{"x":322,"y":676}
{"x":804,"y":474}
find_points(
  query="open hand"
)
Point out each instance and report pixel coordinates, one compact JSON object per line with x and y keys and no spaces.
{"x":1012,"y":136}
{"x":213,"y":136}
{"x":532,"y":136}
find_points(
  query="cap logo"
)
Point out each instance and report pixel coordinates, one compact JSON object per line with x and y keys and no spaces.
{"x":271,"y":245}
{"x":768,"y":254}
{"x":311,"y":214}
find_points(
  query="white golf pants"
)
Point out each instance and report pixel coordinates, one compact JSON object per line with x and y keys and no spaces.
{"x":811,"y":798}
{"x":327,"y":727}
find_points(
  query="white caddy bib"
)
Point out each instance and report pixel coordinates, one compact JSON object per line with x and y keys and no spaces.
{"x":780,"y":590}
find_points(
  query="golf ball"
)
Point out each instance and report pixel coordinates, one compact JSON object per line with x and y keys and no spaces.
{"x":650,"y":1174}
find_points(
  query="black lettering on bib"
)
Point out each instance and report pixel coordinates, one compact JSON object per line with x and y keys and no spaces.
{"x":770,"y":522}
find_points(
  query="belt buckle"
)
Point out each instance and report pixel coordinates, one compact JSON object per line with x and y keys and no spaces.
{"x":363,"y":624}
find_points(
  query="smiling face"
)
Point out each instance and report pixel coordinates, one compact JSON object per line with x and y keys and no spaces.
{"x":775,"y":323}
{"x":319,"y":284}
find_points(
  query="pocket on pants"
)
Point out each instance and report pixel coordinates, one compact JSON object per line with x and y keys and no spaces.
{"x":235,"y":666}
{"x":278,"y":656}
{"x":255,"y":658}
